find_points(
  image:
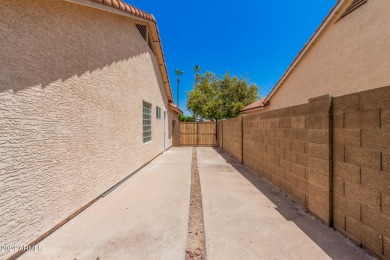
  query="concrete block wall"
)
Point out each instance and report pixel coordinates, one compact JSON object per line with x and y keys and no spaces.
{"x":361,"y":166}
{"x":175,"y":133}
{"x":291,"y":148}
{"x":332,"y":155}
{"x":232,"y":137}
{"x":318,"y":125}
{"x":268,"y":150}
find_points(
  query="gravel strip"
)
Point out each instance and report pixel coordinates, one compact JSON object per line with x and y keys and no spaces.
{"x":196,"y":248}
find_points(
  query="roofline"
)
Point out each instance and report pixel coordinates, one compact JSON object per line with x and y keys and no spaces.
{"x":264,"y":105}
{"x":334,"y":11}
{"x":120,"y":8}
{"x":175,"y":108}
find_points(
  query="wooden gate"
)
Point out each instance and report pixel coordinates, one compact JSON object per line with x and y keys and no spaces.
{"x":198,"y":134}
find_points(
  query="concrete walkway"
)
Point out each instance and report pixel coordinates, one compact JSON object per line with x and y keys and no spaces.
{"x":147,"y":217}
{"x":248,"y":218}
{"x":144,"y":218}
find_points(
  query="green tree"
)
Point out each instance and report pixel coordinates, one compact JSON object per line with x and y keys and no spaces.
{"x":216,"y":98}
{"x":184,"y":118}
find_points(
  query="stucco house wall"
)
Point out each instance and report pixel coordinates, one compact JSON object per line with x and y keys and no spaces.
{"x":351,"y":55}
{"x":72,"y":82}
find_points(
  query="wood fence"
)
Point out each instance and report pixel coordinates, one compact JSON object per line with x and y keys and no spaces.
{"x":198,"y":134}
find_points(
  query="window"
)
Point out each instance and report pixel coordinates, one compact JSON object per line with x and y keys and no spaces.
{"x":147,"y":122}
{"x":158,"y":112}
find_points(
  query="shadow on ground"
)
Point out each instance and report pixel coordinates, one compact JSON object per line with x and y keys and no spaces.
{"x":330,"y":241}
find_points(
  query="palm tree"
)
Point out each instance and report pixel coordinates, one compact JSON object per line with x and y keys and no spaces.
{"x":179,"y":73}
{"x":196,"y":70}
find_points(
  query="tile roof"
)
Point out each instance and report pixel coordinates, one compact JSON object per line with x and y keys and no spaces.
{"x":175,"y":108}
{"x":122,"y":6}
{"x":257,"y":104}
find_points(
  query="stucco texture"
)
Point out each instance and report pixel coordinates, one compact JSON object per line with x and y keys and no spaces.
{"x":351,"y":55}
{"x":72,"y":82}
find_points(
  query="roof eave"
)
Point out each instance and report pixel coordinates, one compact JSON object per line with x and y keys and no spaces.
{"x":101,"y":5}
{"x":175,"y":108}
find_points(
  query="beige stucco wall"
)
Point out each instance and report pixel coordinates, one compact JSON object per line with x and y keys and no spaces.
{"x":350,"y":56}
{"x":72,"y":81}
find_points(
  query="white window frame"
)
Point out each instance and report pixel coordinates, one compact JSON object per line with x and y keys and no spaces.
{"x":147,"y":133}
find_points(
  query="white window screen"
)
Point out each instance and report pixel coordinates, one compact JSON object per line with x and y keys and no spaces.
{"x":147,"y":122}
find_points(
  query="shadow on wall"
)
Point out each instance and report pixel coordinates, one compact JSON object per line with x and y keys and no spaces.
{"x":171,"y":124}
{"x":295,"y":212}
{"x":68,"y":75}
{"x":45,"y":41}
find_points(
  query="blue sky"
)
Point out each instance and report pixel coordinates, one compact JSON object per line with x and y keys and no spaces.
{"x":256,"y":39}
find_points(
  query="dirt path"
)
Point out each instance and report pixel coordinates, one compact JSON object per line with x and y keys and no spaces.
{"x":196,"y":249}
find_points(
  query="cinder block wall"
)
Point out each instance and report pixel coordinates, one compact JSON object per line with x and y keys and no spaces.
{"x":319,"y":165}
{"x":362,"y":168}
{"x":232,"y":137}
{"x":291,"y":148}
{"x":332,"y":155}
{"x":273,"y":147}
{"x":175,"y":133}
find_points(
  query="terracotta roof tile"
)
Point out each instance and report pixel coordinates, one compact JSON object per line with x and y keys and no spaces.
{"x":115,"y":4}
{"x":257,"y":104}
{"x":175,"y":108}
{"x":120,"y":5}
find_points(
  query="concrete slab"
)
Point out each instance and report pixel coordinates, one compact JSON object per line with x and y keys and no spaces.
{"x":246,"y":217}
{"x":175,"y":156}
{"x":144,"y":218}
